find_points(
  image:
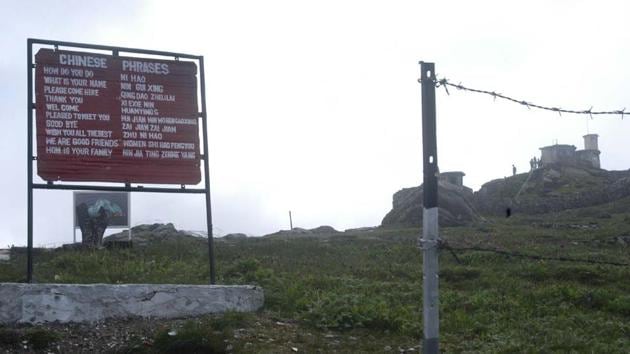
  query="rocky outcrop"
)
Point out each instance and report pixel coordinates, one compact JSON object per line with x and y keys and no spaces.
{"x":361,"y":229}
{"x":298,"y":231}
{"x":455,"y":206}
{"x":142,"y":235}
{"x":553,"y":188}
{"x":324,"y":229}
{"x":235,"y":236}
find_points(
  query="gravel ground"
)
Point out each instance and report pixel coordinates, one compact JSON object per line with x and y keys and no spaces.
{"x":262,"y":334}
{"x":102,"y":337}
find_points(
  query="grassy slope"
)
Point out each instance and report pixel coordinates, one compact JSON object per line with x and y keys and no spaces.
{"x":368,"y":285}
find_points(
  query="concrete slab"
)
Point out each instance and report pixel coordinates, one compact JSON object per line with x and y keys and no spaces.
{"x":38,"y":303}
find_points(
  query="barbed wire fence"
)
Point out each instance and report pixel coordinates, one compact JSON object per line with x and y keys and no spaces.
{"x":442,"y":244}
{"x":446,"y":84}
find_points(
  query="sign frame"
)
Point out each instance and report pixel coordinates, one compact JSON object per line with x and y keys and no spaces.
{"x":114,"y":187}
{"x":120,"y":119}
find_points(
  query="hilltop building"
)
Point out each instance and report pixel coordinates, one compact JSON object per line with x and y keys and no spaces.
{"x":455,"y":178}
{"x":567,"y":155}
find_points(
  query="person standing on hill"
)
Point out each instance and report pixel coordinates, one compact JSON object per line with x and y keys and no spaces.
{"x":513,"y":170}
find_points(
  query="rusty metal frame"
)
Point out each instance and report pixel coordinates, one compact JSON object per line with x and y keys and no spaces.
{"x":126,"y":187}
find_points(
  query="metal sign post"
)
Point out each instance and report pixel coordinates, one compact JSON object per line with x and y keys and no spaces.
{"x":169,"y":162}
{"x":30,"y":106}
{"x":206,"y":169}
{"x":431,"y":304}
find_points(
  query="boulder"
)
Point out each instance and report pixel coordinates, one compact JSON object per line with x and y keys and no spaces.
{"x":143,"y":235}
{"x":298,"y":231}
{"x":324,"y":229}
{"x":235,"y":236}
{"x":455,"y":206}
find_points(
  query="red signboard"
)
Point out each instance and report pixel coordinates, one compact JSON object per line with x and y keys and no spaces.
{"x":106,"y":118}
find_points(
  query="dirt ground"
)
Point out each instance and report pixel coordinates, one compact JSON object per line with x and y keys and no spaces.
{"x":262,"y":334}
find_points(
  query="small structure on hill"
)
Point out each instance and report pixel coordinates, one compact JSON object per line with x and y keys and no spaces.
{"x":567,"y":155}
{"x":455,"y":178}
{"x":5,"y":255}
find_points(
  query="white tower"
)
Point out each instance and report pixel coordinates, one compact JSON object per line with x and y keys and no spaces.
{"x":590,"y":142}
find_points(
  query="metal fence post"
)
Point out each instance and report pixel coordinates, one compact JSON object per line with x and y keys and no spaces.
{"x":29,"y":165}
{"x":206,"y":172}
{"x":430,"y":307}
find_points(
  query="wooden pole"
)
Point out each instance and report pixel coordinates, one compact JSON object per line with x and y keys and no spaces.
{"x":290,"y":220}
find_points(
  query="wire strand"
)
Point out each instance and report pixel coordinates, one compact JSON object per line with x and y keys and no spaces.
{"x":446,"y":83}
{"x":444,"y":245}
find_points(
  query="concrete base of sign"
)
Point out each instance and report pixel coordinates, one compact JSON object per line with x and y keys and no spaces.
{"x":38,"y":303}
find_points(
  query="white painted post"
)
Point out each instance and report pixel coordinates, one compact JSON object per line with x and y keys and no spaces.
{"x":429,"y":242}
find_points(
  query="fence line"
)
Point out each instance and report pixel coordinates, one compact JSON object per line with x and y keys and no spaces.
{"x":446,"y":83}
{"x":442,"y":244}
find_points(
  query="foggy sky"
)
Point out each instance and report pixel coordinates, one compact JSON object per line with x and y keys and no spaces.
{"x":314,"y":106}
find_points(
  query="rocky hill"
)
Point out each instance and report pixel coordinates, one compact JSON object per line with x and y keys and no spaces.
{"x":553,"y":188}
{"x":455,"y":203}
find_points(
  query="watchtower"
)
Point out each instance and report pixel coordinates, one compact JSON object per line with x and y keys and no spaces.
{"x":590,"y":142}
{"x":567,"y":155}
{"x":455,"y":178}
{"x":590,"y":154}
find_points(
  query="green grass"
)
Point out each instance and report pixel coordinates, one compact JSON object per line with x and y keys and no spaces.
{"x":40,"y":338}
{"x":9,"y":337}
{"x":35,"y":338}
{"x":192,"y":337}
{"x":372,"y":282}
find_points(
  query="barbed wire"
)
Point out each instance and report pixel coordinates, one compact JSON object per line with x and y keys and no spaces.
{"x":442,"y":244}
{"x":446,"y":83}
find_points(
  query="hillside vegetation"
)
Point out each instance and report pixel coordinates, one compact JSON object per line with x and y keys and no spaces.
{"x":362,"y":291}
{"x":553,"y":188}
